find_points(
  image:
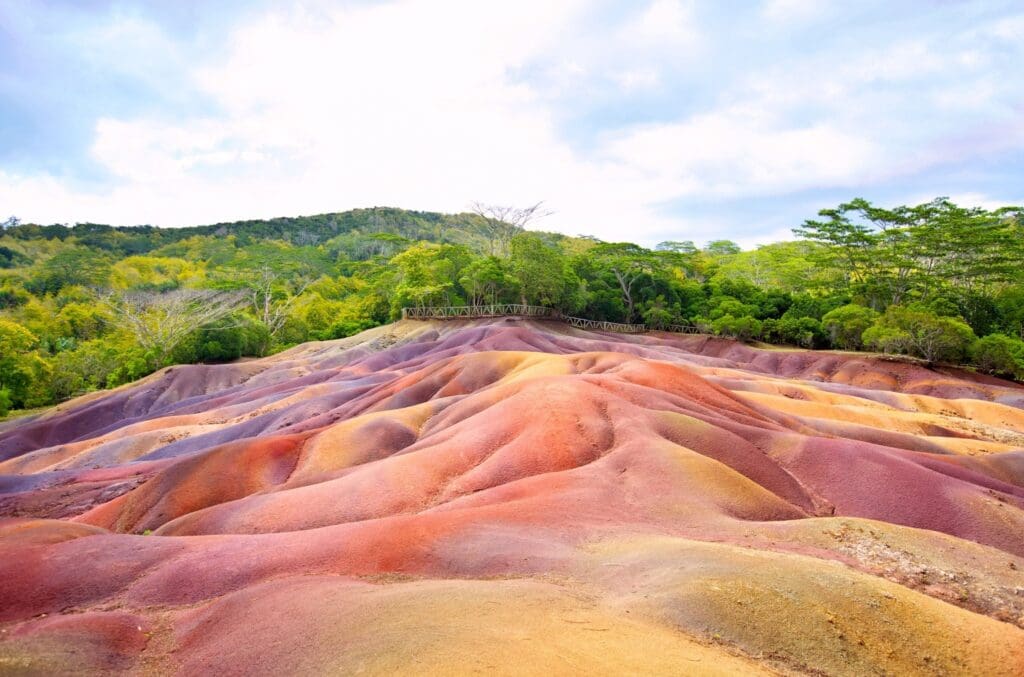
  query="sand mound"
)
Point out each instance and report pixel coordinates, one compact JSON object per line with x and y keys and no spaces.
{"x":507,"y":496}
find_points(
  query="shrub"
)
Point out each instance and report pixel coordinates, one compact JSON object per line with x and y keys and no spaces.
{"x":921,"y":333}
{"x":345,"y":328}
{"x":227,"y":339}
{"x":83,"y":321}
{"x":740,"y":328}
{"x":84,"y":368}
{"x":846,"y":325}
{"x":721,"y":306}
{"x":12,"y":298}
{"x":658,"y":313}
{"x":999,"y":354}
{"x":801,"y":331}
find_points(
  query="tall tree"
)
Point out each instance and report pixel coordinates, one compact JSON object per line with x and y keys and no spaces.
{"x":427,"y":274}
{"x":485,"y":279}
{"x":628,"y":263}
{"x":498,"y":224}
{"x":971,"y":248}
{"x":72,"y":266}
{"x":678,"y":246}
{"x":540,"y":269}
{"x":161,"y":321}
{"x":722,"y":248}
{"x":871,"y":246}
{"x":273,"y":276}
{"x":846,"y":245}
{"x":21,"y":367}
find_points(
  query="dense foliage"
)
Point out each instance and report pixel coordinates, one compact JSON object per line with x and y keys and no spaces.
{"x":92,"y":306}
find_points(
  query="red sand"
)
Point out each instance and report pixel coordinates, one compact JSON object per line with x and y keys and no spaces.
{"x":735,"y":508}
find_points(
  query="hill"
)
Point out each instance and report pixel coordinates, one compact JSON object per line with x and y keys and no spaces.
{"x":299,"y":230}
{"x":88,"y":307}
{"x":512,"y":496}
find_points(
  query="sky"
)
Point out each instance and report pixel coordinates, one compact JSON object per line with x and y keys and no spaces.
{"x":641,"y":121}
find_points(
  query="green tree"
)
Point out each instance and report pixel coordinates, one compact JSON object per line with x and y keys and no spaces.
{"x":1010,"y":306}
{"x":487,"y":279}
{"x":659,"y":314}
{"x":273,"y":276}
{"x":22,"y":370}
{"x":72,"y":266}
{"x":159,"y":322}
{"x":846,"y":325}
{"x":539,"y":268}
{"x":426,"y":274}
{"x":722,"y":248}
{"x":784,"y":266}
{"x":870,"y":247}
{"x":721,"y":305}
{"x":88,"y":366}
{"x":12,"y":258}
{"x":84,"y":320}
{"x":628,"y":263}
{"x":677,"y":246}
{"x":921,"y":333}
{"x":970,"y":248}
{"x":999,"y":354}
{"x":892,"y":256}
{"x":800,"y":331}
{"x":740,"y":328}
{"x":228,"y":338}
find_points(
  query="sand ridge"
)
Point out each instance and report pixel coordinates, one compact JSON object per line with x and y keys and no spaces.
{"x":452,"y":496}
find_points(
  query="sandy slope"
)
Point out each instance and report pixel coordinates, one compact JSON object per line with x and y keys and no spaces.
{"x":511,"y":497}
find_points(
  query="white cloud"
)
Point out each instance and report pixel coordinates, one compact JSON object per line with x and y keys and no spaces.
{"x":1008,"y":28}
{"x":386,"y":105}
{"x":635,"y":79}
{"x":982,"y":200}
{"x":664,"y":21}
{"x":793,"y":11}
{"x":397,"y":105}
{"x":899,"y":62}
{"x":431,"y":105}
{"x":741,"y":151}
{"x":975,"y":200}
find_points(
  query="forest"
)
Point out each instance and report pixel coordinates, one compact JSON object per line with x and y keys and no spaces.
{"x":92,"y":306}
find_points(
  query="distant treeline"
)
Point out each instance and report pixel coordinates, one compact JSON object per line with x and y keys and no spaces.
{"x":299,"y":230}
{"x":92,"y":306}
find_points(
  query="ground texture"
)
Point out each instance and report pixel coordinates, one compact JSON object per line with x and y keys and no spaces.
{"x":506,"y":497}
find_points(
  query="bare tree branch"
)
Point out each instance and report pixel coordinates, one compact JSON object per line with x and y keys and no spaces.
{"x":500,"y":223}
{"x":161,"y":321}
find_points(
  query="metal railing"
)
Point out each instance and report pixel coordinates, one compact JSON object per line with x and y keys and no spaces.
{"x":520,"y":310}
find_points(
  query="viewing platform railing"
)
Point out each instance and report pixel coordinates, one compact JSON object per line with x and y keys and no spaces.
{"x":601,"y":325}
{"x":525,"y":311}
{"x":475,"y":312}
{"x":682,"y":329}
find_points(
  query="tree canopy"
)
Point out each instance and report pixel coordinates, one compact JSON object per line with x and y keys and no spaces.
{"x":92,"y":306}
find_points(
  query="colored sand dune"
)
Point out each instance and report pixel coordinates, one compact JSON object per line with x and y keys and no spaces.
{"x":508,"y":497}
